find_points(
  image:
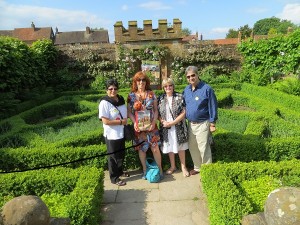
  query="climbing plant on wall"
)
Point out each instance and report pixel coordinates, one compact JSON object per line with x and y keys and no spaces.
{"x":271,"y":58}
{"x":202,"y":56}
{"x":153,"y":52}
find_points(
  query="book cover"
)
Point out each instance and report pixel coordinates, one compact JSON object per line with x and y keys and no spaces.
{"x":144,"y":119}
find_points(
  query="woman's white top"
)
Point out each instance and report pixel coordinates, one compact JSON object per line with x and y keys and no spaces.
{"x":172,"y":145}
{"x":107,"y":110}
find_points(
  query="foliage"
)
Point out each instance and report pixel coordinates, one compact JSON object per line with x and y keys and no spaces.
{"x":186,"y":31}
{"x":272,"y":58}
{"x":257,"y":190}
{"x":16,"y":71}
{"x":263,"y":26}
{"x":201,"y":56}
{"x":231,"y":188}
{"x":245,"y":32}
{"x":72,"y":193}
{"x":232,"y":33}
{"x":126,"y":66}
{"x":44,"y":56}
{"x":100,"y":80}
{"x":290,"y":85}
{"x":25,"y":71}
{"x":76,"y":129}
{"x":153,"y":52}
{"x":56,"y":204}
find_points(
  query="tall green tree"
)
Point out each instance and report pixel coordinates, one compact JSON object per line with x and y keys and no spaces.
{"x":232,"y":33}
{"x":263,"y":26}
{"x":186,"y":31}
{"x":245,"y":31}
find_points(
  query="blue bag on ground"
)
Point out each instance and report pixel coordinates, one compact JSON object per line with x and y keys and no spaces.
{"x":152,"y":172}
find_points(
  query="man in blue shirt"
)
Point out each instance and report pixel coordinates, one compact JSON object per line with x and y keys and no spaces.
{"x":202,"y":114}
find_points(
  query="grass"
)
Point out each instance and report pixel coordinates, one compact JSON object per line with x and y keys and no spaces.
{"x":76,"y":129}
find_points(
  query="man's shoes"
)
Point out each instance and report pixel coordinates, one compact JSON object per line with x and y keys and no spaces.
{"x":194,"y":172}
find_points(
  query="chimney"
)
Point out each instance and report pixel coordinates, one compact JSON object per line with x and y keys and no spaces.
{"x":32,"y":25}
{"x":162,"y":27}
{"x":148,"y":28}
{"x":56,"y":30}
{"x":132,"y":29}
{"x":118,"y":30}
{"x":177,"y":26}
{"x":88,"y":30}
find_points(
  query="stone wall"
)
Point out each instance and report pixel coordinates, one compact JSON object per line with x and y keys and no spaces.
{"x":134,"y":33}
{"x":108,"y":52}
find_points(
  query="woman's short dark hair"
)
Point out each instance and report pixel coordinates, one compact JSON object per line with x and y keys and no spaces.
{"x":112,"y":82}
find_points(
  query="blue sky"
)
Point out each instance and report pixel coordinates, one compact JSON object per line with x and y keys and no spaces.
{"x":211,"y":18}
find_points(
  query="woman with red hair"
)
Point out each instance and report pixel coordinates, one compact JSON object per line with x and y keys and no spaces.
{"x":142,"y":110}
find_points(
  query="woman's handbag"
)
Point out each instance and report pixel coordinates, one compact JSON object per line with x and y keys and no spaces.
{"x":152,"y":171}
{"x":128,"y":132}
{"x":128,"y":129}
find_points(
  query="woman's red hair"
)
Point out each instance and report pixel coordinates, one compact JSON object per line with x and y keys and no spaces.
{"x":136,"y":77}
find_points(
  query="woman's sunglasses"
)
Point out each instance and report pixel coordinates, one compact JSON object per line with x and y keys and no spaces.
{"x":110,"y":89}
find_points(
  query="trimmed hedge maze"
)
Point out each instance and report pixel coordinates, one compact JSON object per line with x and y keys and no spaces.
{"x":257,"y":145}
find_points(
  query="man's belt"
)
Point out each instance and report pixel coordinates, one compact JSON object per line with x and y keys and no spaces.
{"x":195,"y":122}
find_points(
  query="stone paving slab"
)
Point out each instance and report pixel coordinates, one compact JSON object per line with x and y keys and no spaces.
{"x":175,"y":200}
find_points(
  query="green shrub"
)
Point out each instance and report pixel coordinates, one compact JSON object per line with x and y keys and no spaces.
{"x":289,"y":85}
{"x":73,"y":193}
{"x":257,"y":190}
{"x":230,"y":187}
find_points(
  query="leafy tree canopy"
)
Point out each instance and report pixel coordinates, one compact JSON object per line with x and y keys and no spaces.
{"x":263,"y":26}
{"x":186,"y":31}
{"x":245,"y":31}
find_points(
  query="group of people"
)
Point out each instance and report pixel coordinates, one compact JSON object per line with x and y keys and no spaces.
{"x":186,"y":121}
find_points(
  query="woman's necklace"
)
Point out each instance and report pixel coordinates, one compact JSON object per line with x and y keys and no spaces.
{"x":141,"y":96}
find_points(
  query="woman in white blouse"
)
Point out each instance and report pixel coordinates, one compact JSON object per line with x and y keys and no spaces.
{"x":173,"y":127}
{"x":110,"y":109}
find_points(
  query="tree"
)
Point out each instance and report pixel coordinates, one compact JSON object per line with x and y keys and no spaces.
{"x":232,"y":33}
{"x":263,"y":26}
{"x":245,"y":31}
{"x":186,"y":31}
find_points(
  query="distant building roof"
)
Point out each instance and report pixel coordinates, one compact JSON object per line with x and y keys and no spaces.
{"x":6,"y":33}
{"x":81,"y":37}
{"x":189,"y":38}
{"x":29,"y":35}
{"x":227,"y":41}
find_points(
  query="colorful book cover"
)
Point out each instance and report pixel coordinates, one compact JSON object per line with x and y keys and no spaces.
{"x":144,"y":119}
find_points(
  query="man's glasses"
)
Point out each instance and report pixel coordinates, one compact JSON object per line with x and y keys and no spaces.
{"x":192,"y":75}
{"x":110,"y":89}
{"x":141,"y":79}
{"x":170,"y":85}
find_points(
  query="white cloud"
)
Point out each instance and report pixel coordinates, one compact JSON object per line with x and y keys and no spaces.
{"x":155,"y":6}
{"x":219,"y":30}
{"x":291,"y":12}
{"x":19,"y":16}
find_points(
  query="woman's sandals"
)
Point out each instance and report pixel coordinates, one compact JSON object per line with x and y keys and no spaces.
{"x":170,"y":171}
